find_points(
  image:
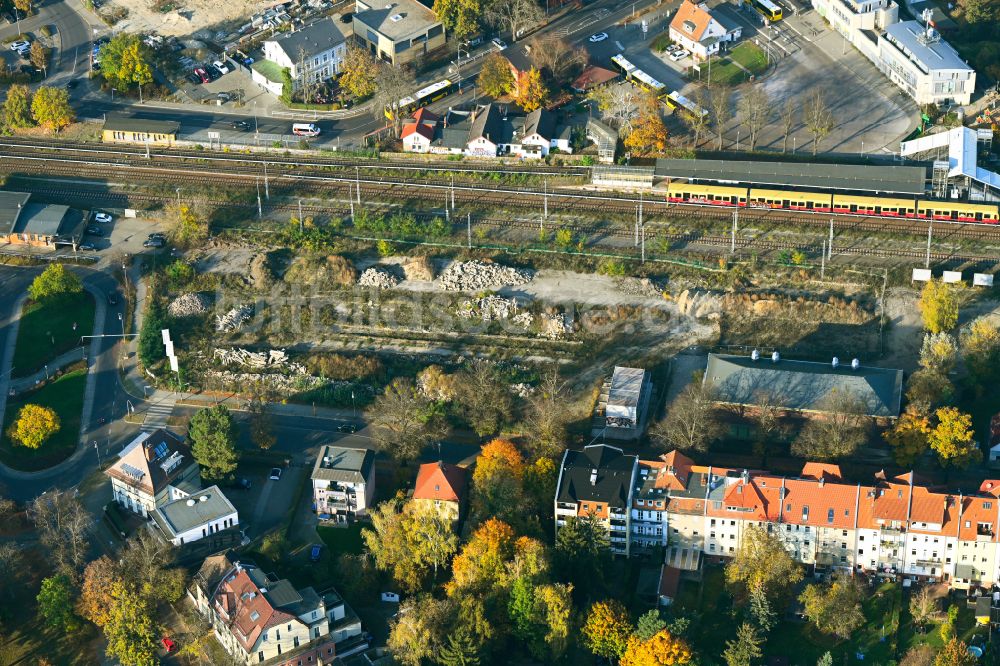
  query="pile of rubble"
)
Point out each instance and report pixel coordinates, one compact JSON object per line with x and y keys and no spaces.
{"x":490,"y":308}
{"x":272,"y":358}
{"x":555,"y":326}
{"x":479,"y":275}
{"x":699,"y":303}
{"x":234,"y":319}
{"x":188,"y":305}
{"x":278,"y":382}
{"x":522,"y":390}
{"x":379,"y":278}
{"x":640,"y":287}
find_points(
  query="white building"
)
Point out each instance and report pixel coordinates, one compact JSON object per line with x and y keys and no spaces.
{"x":154,"y":469}
{"x":200,"y":515}
{"x":925,"y":66}
{"x":700,"y":31}
{"x":343,"y":482}
{"x":315,"y":52}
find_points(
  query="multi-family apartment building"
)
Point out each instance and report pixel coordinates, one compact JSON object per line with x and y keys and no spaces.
{"x":895,"y":524}
{"x":343,"y":481}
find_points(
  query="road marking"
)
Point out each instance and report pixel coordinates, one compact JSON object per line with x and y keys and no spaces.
{"x":619,"y":45}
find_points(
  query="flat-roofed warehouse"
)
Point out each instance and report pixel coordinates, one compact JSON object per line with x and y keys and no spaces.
{"x":889,"y":179}
{"x":24,"y":222}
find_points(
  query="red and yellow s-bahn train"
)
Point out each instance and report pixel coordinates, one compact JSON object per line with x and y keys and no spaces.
{"x":824,"y":202}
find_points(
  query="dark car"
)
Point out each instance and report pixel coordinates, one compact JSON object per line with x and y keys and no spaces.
{"x":347,"y":427}
{"x":194,"y":78}
{"x":113,"y":298}
{"x":93,"y":231}
{"x":154,"y":242}
{"x":315,"y":552}
{"x":347,"y":17}
{"x":157,"y":234}
{"x":241,"y":125}
{"x":71,"y":83}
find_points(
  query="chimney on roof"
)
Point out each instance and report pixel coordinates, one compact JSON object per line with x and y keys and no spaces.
{"x":745,"y":475}
{"x":822,"y":480}
{"x":148,"y":450}
{"x":593,"y":477}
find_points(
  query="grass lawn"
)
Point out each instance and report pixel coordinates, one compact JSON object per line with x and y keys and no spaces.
{"x":341,"y":539}
{"x":751,"y":56}
{"x":65,"y":396}
{"x":46,"y":330}
{"x":910,"y":636}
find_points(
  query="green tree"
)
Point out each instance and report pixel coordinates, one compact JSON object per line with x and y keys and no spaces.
{"x":650,"y":623}
{"x":412,"y":545}
{"x":939,"y":352}
{"x":34,"y":425}
{"x":952,"y":438}
{"x":39,"y":56}
{"x":981,"y":348}
{"x":746,"y":647}
{"x":150,"y":338}
{"x":125,"y":61}
{"x":418,"y":631}
{"x":358,"y":72}
{"x":955,"y":653}
{"x":130,"y":629}
{"x":548,"y":415}
{"x":841,"y":431}
{"x":17,"y":107}
{"x":606,"y":629}
{"x":287,"y":85}
{"x":908,"y":438}
{"x":648,"y":134}
{"x":404,"y":420}
{"x":188,"y":226}
{"x":762,"y":564}
{"x":53,"y":283}
{"x":926,"y":390}
{"x":460,"y":17}
{"x":532,"y":92}
{"x":51,"y":109}
{"x":497,"y":489}
{"x":834,"y":608}
{"x":55,"y":603}
{"x":825,"y":660}
{"x":460,"y":648}
{"x":495,"y":78}
{"x":582,"y":553}
{"x":938,"y":306}
{"x":213,"y":442}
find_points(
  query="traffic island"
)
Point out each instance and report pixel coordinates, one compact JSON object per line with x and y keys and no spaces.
{"x":64,"y":395}
{"x":50,"y":328}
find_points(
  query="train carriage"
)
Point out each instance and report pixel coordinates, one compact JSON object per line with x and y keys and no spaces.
{"x":715,"y":195}
{"x":788,"y":200}
{"x":883,"y":206}
{"x":954,"y":211}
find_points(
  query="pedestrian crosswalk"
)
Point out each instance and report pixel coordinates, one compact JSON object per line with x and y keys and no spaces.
{"x":158,"y":414}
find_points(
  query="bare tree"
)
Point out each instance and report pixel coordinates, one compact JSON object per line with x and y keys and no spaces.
{"x":63,"y":527}
{"x":515,"y":15}
{"x":767,"y":418}
{"x":787,"y":118}
{"x":10,"y":567}
{"x":718,"y":102}
{"x":754,"y":107}
{"x":817,"y":118}
{"x":484,"y":396}
{"x":839,"y":430}
{"x":923,"y":606}
{"x":547,"y":415}
{"x":558,"y":58}
{"x":697,"y":122}
{"x":618,"y":105}
{"x":394,"y":83}
{"x":692,"y":422}
{"x":404,"y":421}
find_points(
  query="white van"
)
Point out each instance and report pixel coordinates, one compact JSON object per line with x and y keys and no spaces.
{"x":305,"y":129}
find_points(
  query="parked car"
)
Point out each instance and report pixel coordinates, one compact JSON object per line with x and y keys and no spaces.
{"x":103,"y":217}
{"x":93,"y":231}
{"x":244,"y":483}
{"x":599,"y":37}
{"x":221,"y":66}
{"x":248,"y":61}
{"x":679,"y":55}
{"x":19,"y":44}
{"x":315,"y":552}
{"x":223,"y":97}
{"x":241,"y":125}
{"x":499,"y":43}
{"x":347,"y":17}
{"x":113,"y":298}
{"x":86,"y":247}
{"x":194,"y":78}
{"x":154,"y":242}
{"x":157,"y":234}
{"x":275,"y":473}
{"x":201,"y":74}
{"x":168,"y":644}
{"x":347,"y":427}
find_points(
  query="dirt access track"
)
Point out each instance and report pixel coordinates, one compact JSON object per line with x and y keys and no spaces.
{"x":188,"y":18}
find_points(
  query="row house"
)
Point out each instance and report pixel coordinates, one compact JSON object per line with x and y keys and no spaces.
{"x":896,"y":524}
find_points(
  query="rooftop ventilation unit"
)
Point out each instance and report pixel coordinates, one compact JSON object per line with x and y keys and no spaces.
{"x":755,"y":355}
{"x":593,"y":477}
{"x":396,"y":18}
{"x":203,"y":498}
{"x":855,"y":364}
{"x":835,"y":362}
{"x":190,"y":502}
{"x":775,"y":357}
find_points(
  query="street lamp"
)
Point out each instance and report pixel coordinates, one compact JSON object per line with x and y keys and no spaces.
{"x":178,"y":197}
{"x":113,"y":94}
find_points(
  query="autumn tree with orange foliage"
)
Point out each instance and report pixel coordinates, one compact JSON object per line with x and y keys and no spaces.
{"x":531,"y":91}
{"x":607,"y":628}
{"x":649,"y":134}
{"x":662,"y":649}
{"x":480,"y":566}
{"x":497,"y":481}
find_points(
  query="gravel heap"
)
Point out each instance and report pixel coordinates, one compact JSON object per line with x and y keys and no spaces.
{"x":490,"y":308}
{"x":640,"y":287}
{"x":234,"y":319}
{"x":188,"y":305}
{"x":478,"y":275}
{"x":379,"y":278}
{"x":555,"y":326}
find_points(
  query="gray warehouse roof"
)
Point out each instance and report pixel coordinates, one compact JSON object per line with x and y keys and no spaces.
{"x":312,"y":40}
{"x":926,"y":54}
{"x":802,"y":385}
{"x":42,"y":219}
{"x":178,"y":517}
{"x":895,"y":179}
{"x":343,"y":465}
{"x":11,"y":204}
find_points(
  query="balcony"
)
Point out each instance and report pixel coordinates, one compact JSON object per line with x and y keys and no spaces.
{"x":928,"y":563}
{"x":891,"y":531}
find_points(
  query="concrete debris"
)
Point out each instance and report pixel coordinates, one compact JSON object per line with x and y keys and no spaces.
{"x":479,"y":275}
{"x":555,"y":326}
{"x":188,"y":305}
{"x":522,"y":390}
{"x":379,"y":278}
{"x":698,"y":303}
{"x":234,"y":319}
{"x":640,"y":287}
{"x":523,"y":319}
{"x":272,"y":358}
{"x":281,"y":383}
{"x":490,"y":308}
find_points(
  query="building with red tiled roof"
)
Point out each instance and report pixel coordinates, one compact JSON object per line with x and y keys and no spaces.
{"x":440,"y":487}
{"x":418,"y":131}
{"x":701,"y":31}
{"x":262,"y":620}
{"x":593,"y":76}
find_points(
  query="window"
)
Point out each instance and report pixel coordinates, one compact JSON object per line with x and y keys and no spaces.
{"x":843,"y":544}
{"x":315,"y":614}
{"x":713,"y":522}
{"x":987,"y":505}
{"x":295,"y":643}
{"x":264,"y":636}
{"x":829,"y":516}
{"x":315,"y":632}
{"x":277,"y":634}
{"x":845,"y":532}
{"x":913,"y":552}
{"x":260,"y":656}
{"x":731,"y":549}
{"x":711,"y":547}
{"x":435,"y":31}
{"x":860,"y":538}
